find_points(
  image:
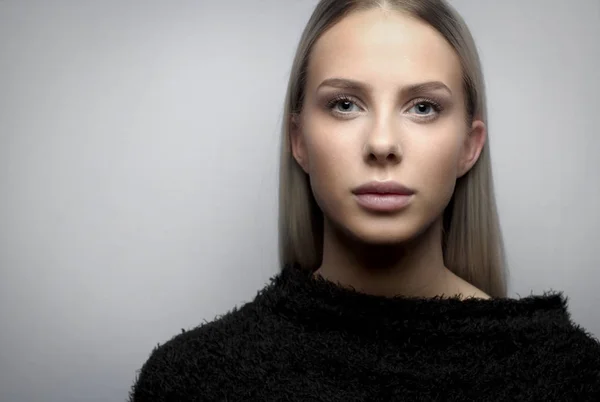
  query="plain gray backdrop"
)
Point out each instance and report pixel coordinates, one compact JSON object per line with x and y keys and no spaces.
{"x":138,"y":170}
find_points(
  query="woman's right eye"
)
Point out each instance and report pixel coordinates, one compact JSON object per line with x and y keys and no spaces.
{"x":343,"y":105}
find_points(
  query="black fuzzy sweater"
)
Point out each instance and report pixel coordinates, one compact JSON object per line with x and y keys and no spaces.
{"x":307,"y":339}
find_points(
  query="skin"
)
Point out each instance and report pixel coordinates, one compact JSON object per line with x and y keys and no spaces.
{"x":378,"y":130}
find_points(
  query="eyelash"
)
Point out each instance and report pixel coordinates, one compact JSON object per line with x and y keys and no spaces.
{"x":436,"y":106}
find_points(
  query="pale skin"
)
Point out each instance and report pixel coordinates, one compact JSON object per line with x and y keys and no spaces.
{"x":360,"y":123}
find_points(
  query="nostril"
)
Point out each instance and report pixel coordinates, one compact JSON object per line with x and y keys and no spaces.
{"x":383,"y":154}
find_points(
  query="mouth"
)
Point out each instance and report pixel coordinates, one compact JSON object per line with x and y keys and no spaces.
{"x":385,"y":196}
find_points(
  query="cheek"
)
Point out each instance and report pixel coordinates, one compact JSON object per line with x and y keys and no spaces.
{"x":437,"y":170}
{"x":333,"y":155}
{"x":333,"y":166}
{"x":440,"y":164}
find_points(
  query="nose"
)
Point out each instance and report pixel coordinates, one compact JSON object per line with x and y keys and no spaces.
{"x":382,"y":146}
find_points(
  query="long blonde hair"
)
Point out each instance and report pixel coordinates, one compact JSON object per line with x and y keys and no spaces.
{"x":472,"y":241}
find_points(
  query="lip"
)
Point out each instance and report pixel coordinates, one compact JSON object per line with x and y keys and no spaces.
{"x":383,"y":188}
{"x":385,"y":196}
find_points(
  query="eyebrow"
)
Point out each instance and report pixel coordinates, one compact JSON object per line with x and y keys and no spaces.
{"x":413,"y":89}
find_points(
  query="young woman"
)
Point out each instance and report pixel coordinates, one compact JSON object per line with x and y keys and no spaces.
{"x":392,"y":285}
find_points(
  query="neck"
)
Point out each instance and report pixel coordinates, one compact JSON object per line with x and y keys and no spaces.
{"x":414,"y":268}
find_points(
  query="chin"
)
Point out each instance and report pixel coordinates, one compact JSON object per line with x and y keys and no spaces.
{"x":383,"y":238}
{"x":381,"y":233}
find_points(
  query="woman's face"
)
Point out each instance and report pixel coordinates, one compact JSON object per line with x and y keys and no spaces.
{"x":384,"y":103}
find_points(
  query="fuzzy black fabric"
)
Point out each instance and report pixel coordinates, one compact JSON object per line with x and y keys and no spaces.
{"x":307,"y":339}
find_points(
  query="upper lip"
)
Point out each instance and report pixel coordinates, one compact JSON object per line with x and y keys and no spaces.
{"x":383,"y":187}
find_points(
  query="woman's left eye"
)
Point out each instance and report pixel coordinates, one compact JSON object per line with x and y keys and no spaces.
{"x":425,"y":108}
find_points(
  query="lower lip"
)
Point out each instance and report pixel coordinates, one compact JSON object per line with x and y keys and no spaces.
{"x":383,"y":202}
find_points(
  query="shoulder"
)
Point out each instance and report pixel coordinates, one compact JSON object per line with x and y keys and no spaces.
{"x":567,"y":357}
{"x":554,"y":349}
{"x":197,"y":364}
{"x":571,"y":342}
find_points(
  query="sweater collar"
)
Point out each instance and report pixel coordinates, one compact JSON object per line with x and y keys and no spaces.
{"x":298,"y":294}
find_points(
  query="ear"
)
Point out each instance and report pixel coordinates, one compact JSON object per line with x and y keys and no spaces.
{"x":472,"y":147}
{"x":297,"y":142}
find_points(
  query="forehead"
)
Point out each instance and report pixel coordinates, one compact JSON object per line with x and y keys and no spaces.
{"x":384,"y":47}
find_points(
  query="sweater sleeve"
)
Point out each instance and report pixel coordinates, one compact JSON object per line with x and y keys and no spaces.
{"x":196,"y":365}
{"x":158,"y":378}
{"x":183,"y":369}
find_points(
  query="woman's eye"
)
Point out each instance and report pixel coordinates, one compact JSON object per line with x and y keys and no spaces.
{"x":423,"y":108}
{"x":343,"y":106}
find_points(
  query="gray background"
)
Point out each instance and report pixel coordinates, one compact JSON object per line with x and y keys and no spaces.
{"x":138,"y":170}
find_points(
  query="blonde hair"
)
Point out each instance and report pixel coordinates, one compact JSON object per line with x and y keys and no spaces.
{"x":472,"y":242}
